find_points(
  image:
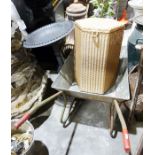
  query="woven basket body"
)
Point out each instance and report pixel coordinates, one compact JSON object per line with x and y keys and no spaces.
{"x":97,"y":50}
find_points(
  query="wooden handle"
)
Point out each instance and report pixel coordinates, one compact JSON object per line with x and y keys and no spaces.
{"x":22,"y":120}
{"x":126,"y":140}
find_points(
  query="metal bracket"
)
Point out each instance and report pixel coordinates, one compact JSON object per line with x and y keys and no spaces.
{"x":74,"y":106}
{"x":113,"y":114}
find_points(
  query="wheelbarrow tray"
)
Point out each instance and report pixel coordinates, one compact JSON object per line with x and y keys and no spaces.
{"x":66,"y":82}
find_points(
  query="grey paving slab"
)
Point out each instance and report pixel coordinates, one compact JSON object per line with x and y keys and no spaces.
{"x":97,"y":141}
{"x":91,"y":135}
{"x":53,"y":135}
{"x":93,"y":113}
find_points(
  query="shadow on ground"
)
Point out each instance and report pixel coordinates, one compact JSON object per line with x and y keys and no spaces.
{"x":42,"y":114}
{"x":97,"y":114}
{"x":93,"y":113}
{"x":38,"y":148}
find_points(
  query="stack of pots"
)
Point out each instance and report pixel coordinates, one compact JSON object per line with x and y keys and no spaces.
{"x":76,"y":11}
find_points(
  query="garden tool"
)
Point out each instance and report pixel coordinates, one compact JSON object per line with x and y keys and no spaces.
{"x":27,"y":115}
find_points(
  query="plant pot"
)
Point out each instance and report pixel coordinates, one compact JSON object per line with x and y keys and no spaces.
{"x":27,"y":126}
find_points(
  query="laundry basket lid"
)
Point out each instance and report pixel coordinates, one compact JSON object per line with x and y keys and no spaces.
{"x":99,"y":24}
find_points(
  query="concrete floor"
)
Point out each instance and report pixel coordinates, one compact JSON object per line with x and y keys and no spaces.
{"x":88,"y":134}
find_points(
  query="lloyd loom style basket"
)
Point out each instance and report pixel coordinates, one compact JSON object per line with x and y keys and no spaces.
{"x":97,"y":50}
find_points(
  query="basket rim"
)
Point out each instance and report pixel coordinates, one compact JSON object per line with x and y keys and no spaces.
{"x":101,"y":30}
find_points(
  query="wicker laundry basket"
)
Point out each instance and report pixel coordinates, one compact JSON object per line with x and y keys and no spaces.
{"x":97,"y":50}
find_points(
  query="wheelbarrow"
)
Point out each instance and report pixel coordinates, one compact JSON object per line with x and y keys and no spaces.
{"x":66,"y":84}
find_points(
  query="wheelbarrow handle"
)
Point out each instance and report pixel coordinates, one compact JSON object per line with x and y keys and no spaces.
{"x":27,"y":115}
{"x":126,"y":140}
{"x":22,"y":120}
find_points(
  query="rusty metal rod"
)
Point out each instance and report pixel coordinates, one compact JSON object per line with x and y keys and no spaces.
{"x":139,"y":150}
{"x":138,"y":83}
